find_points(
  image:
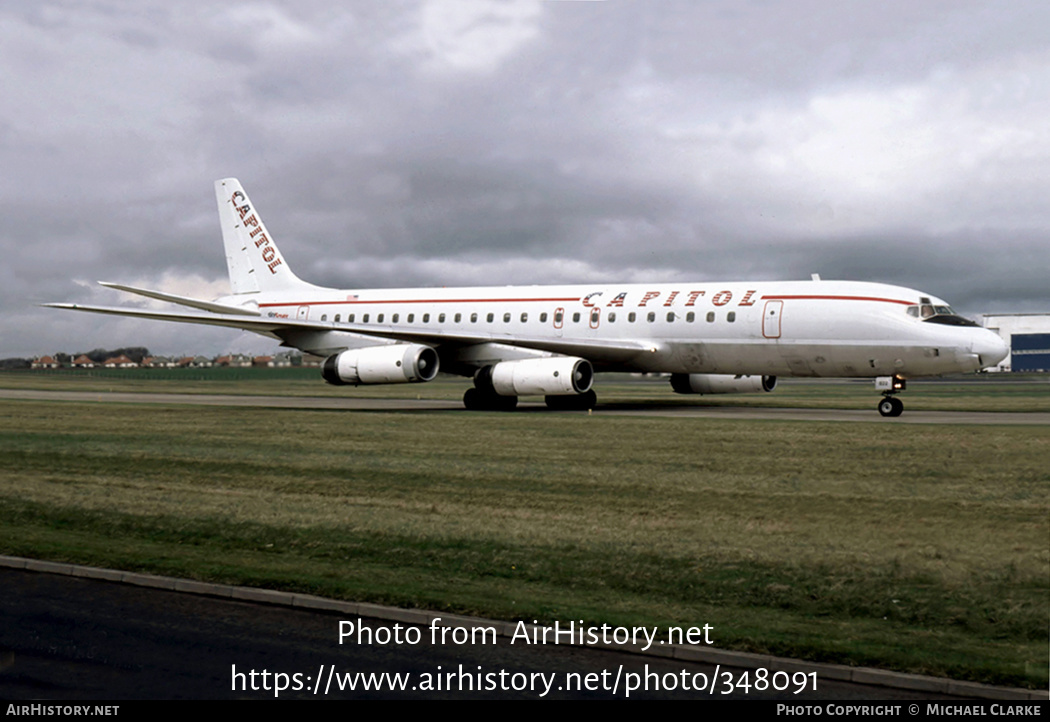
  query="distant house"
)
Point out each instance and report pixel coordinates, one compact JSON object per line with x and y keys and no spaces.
{"x":46,"y":362}
{"x":195,"y":362}
{"x":158,"y":362}
{"x":83,"y":362}
{"x":262,"y":361}
{"x":120,"y":362}
{"x":237,"y":360}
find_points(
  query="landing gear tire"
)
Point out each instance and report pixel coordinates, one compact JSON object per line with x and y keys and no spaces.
{"x":577,"y":402}
{"x":890,"y":406}
{"x":476,"y":400}
{"x":472,"y":399}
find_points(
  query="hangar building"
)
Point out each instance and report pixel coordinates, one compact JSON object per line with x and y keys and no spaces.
{"x":1028,"y":335}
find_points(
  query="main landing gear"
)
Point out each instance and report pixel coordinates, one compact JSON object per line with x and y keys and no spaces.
{"x":890,"y":405}
{"x":474,"y":399}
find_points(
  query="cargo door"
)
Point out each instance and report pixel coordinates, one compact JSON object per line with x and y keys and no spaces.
{"x":771,"y":319}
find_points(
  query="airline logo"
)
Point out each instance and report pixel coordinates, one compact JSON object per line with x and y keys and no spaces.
{"x":255,"y":231}
{"x":719,"y":299}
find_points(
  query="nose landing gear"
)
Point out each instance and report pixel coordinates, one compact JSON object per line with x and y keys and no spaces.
{"x":890,"y":405}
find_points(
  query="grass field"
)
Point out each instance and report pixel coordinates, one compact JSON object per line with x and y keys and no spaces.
{"x":922,"y":548}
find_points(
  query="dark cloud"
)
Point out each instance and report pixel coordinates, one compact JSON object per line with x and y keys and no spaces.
{"x":443,"y":143}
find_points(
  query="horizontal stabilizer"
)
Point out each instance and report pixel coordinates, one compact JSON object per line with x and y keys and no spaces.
{"x":251,"y":310}
{"x":253,"y":323}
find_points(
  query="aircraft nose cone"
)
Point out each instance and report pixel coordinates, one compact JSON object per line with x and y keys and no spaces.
{"x":990,"y":348}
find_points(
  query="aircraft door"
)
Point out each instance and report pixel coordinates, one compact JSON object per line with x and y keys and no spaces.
{"x":559,"y":320}
{"x":596,"y":317}
{"x":771,"y":319}
{"x":303,"y":314}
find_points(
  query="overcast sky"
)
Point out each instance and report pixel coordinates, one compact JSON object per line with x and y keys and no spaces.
{"x":459,"y":142}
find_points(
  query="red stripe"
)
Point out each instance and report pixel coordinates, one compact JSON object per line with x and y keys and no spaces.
{"x":840,"y":298}
{"x":775,"y":297}
{"x":425,"y":300}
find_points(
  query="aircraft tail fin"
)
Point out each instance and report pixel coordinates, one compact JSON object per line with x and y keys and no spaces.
{"x":254,"y":262}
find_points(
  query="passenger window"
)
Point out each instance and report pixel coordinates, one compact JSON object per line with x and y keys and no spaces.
{"x":543,"y":317}
{"x":394,"y":318}
{"x":690,"y":317}
{"x":337,"y":317}
{"x":670,"y":317}
{"x":411,"y":317}
{"x":731,"y":316}
{"x":324,"y":316}
{"x":576,"y":317}
{"x":350,"y":318}
{"x":473,"y":318}
{"x":457,"y":317}
{"x":364,"y":319}
{"x":651,"y":318}
{"x":631,"y":316}
{"x":612,"y":316}
{"x":489,"y":318}
{"x":379,"y":318}
{"x":524,"y":317}
{"x":710,"y":316}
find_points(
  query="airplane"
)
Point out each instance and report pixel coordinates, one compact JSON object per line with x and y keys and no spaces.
{"x":710,"y":337}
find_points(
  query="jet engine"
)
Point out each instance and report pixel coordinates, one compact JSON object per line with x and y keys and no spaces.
{"x":555,"y":376}
{"x":394,"y":364}
{"x":721,"y":383}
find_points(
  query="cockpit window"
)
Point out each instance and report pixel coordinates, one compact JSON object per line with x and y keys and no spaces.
{"x":939,"y":314}
{"x":952,"y":320}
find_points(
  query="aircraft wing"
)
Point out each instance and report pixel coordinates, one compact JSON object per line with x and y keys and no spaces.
{"x":604,"y":350}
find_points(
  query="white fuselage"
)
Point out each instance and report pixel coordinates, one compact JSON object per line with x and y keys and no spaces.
{"x":794,"y":328}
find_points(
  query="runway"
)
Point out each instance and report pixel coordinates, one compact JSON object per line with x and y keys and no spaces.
{"x":345,"y":403}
